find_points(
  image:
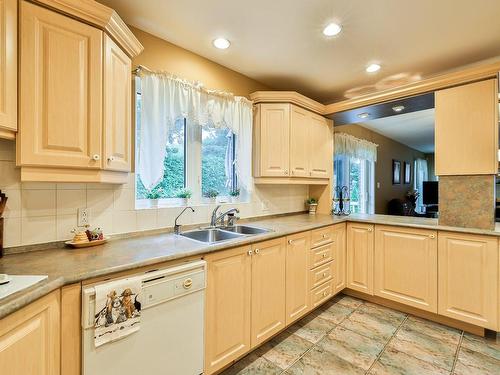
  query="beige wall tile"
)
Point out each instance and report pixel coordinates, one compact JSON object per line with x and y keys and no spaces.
{"x":12,"y":232}
{"x":69,"y":201}
{"x":100,"y":200}
{"x":146,"y":219}
{"x":124,"y":221}
{"x":10,"y":175}
{"x":38,"y":229}
{"x":38,"y":186}
{"x":103,"y":220}
{"x":124,"y":199}
{"x":71,"y":186}
{"x":65,"y":224}
{"x":13,"y":208}
{"x":7,"y":150}
{"x":38,"y":203}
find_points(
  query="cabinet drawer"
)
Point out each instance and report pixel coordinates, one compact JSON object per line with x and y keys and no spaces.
{"x":320,"y":275}
{"x":321,"y":255}
{"x":321,"y":294}
{"x":321,"y":236}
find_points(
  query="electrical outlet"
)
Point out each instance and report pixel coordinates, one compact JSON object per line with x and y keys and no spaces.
{"x":83,"y":217}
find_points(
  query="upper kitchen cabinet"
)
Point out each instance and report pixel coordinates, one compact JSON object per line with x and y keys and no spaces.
{"x":8,"y":68}
{"x":292,"y":142}
{"x":467,"y":129}
{"x":75,"y":96}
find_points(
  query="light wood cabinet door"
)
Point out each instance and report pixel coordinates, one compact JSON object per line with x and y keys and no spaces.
{"x":468,"y":278}
{"x":30,"y":339}
{"x":61,"y":91}
{"x":339,"y":258}
{"x":466,"y":131}
{"x":227,"y":318}
{"x":273,"y":139}
{"x":406,"y":266}
{"x":8,"y":67}
{"x":299,"y":146}
{"x":297,"y":276}
{"x":117,"y":108}
{"x":360,"y":257}
{"x":321,"y":146}
{"x":268,"y":289}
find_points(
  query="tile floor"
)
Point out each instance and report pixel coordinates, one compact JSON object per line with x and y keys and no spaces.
{"x":349,"y":336}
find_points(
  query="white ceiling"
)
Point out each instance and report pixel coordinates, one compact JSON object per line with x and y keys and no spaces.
{"x":280,"y":42}
{"x":415,"y":129}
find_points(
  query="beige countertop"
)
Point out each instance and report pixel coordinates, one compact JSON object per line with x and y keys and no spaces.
{"x":67,"y":266}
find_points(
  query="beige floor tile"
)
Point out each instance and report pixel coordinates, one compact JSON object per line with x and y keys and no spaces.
{"x":474,"y":363}
{"x":335,"y":313}
{"x":487,"y":346}
{"x":348,"y":301}
{"x":393,"y":362}
{"x":284,"y":349}
{"x":312,"y":328}
{"x":253,"y":364}
{"x":318,"y":361}
{"x":436,"y":330}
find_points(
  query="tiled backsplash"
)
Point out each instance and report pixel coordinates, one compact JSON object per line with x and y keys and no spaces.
{"x":45,"y":212}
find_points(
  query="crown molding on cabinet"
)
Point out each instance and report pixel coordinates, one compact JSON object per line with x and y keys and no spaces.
{"x":287,"y":97}
{"x":101,"y":16}
{"x":475,"y":72}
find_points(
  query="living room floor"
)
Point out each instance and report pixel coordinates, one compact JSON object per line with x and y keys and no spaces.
{"x":349,"y":336}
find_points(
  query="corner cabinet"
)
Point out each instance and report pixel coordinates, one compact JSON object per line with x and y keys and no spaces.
{"x":30,"y":338}
{"x":291,"y":145}
{"x":75,"y":101}
{"x":8,"y":68}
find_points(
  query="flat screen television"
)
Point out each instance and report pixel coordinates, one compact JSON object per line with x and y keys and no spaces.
{"x":430,"y":193}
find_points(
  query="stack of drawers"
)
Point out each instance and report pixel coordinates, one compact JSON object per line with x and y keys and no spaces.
{"x":321,"y":277}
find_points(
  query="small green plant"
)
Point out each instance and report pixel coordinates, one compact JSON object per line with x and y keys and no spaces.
{"x":184,"y":193}
{"x":155,"y":193}
{"x":211,"y":193}
{"x":234,"y":193}
{"x":312,"y":201}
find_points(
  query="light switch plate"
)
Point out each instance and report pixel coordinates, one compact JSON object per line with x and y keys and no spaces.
{"x":83,"y":217}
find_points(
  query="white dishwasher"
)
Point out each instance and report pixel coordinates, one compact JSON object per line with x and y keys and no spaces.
{"x":170,"y":338}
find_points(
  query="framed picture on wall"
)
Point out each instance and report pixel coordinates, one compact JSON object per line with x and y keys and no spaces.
{"x":407,"y":168}
{"x":396,"y":172}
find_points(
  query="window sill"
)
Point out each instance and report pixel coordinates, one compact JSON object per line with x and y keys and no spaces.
{"x":147,"y":204}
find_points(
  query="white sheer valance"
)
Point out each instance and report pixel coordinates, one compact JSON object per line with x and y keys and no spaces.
{"x":346,"y":144}
{"x":167,"y":98}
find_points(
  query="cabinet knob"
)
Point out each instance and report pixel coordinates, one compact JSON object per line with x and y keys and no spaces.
{"x":370,"y":229}
{"x":324,"y":255}
{"x":324,"y":235}
{"x":257,"y":251}
{"x":325,"y":293}
{"x":290,"y":242}
{"x":96,"y":157}
{"x":187,"y":283}
{"x":432,"y":236}
{"x":324,"y":274}
{"x":286,"y":171}
{"x":111,"y":158}
{"x":250,"y":252}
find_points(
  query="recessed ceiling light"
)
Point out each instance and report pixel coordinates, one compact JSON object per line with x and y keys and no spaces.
{"x":332,"y":29}
{"x":398,"y":108}
{"x":221,"y":43}
{"x":364,"y":115}
{"x":372,"y":68}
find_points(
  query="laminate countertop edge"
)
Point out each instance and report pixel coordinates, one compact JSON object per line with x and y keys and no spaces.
{"x":68,"y":266}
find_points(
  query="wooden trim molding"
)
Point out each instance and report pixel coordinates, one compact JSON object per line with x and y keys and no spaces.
{"x":101,"y":16}
{"x":37,"y":174}
{"x":290,"y":181}
{"x":287,"y":97}
{"x":471,"y":73}
{"x":7,"y":134}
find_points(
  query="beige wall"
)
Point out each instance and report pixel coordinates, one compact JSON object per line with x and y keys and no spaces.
{"x":387,"y":150}
{"x":161,"y":55}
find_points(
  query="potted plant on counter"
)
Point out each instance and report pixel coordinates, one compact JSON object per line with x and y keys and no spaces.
{"x":313,"y":204}
{"x":211,"y":194}
{"x":234,"y":195}
{"x":184,"y":195}
{"x":153,"y":196}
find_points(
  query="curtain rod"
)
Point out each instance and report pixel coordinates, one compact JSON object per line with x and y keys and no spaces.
{"x":141,"y":67}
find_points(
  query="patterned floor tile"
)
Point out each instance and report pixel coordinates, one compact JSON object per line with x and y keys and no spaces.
{"x":284,"y":349}
{"x":474,"y":363}
{"x":318,"y":361}
{"x":335,"y":313}
{"x":393,"y":362}
{"x":439,"y":351}
{"x":352,"y":347}
{"x":351,"y":302}
{"x":374,"y":322}
{"x":253,"y":364}
{"x":311,"y":328}
{"x":487,"y":346}
{"x":432,"y":329}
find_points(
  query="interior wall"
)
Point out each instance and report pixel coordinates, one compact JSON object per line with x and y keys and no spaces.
{"x":387,"y":150}
{"x":45,"y":212}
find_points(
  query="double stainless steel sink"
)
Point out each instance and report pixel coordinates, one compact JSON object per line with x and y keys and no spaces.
{"x":219,"y":234}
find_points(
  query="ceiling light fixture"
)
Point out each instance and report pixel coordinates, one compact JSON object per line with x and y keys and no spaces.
{"x":364,"y":115}
{"x":372,"y":68}
{"x":221,"y":43}
{"x":398,"y":108}
{"x":332,"y":29}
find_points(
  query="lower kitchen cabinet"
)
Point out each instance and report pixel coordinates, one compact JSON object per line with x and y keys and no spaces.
{"x":405,"y":266}
{"x":468,"y":278}
{"x":227,"y":317}
{"x":30,"y":339}
{"x":360,"y":257}
{"x":340,"y":258}
{"x":268,"y":289}
{"x":297,"y":276}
